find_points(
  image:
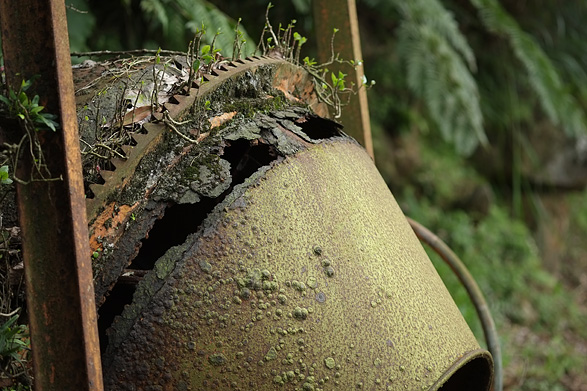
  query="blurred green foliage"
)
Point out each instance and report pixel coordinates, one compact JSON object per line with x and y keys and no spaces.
{"x":150,"y":24}
{"x":502,"y":255}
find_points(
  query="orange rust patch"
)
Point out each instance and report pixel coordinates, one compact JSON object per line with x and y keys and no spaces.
{"x":106,"y":224}
{"x":221,"y":119}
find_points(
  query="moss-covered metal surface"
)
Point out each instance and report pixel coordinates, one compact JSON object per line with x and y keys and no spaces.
{"x":306,"y":277}
{"x":269,"y":253}
{"x":246,"y":101}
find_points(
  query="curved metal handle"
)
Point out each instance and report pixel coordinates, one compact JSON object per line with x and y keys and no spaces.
{"x":465,"y":277}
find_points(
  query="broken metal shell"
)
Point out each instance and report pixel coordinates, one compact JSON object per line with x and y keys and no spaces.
{"x":306,"y":277}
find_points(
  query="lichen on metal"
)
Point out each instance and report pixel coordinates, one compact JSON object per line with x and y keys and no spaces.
{"x":289,"y":274}
{"x":251,"y":304}
{"x":160,"y":169}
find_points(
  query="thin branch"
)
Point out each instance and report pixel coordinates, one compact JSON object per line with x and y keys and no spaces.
{"x":10,"y":313}
{"x":128,"y":52}
{"x":167,"y":120}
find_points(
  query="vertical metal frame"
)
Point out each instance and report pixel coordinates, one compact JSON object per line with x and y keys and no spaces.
{"x":342,"y":15}
{"x":59,"y":284}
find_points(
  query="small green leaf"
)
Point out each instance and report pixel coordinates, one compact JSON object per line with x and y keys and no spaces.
{"x":157,"y":57}
{"x":36,"y":109}
{"x":207,"y":59}
{"x":23,"y":99}
{"x":205,"y":49}
{"x":4,"y":176}
{"x":309,"y":62}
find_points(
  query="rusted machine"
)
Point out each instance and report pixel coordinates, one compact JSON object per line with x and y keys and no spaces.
{"x":241,"y":241}
{"x":268,"y":255}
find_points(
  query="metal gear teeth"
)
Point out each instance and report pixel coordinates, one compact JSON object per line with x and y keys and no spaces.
{"x":177,"y":106}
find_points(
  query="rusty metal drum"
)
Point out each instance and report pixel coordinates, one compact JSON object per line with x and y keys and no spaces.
{"x":306,"y":277}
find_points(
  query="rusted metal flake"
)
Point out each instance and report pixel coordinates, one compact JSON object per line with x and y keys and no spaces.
{"x":342,"y":15}
{"x":59,"y":284}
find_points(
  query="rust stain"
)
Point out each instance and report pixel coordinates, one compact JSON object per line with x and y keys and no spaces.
{"x":103,"y":228}
{"x":221,"y":119}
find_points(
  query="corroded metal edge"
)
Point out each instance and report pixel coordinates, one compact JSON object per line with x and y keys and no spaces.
{"x":483,"y":378}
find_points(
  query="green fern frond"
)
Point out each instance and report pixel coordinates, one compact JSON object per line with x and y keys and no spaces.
{"x":202,"y":12}
{"x":156,"y":9}
{"x":560,"y":106}
{"x":439,"y":60}
{"x":432,"y":13}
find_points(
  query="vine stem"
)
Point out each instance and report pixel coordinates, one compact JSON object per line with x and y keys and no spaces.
{"x":8,"y":315}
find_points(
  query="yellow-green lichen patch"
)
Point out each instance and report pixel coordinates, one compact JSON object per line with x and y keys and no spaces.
{"x":217,"y":359}
{"x":300,"y":313}
{"x":274,"y":312}
{"x":271,"y":354}
{"x":329,"y":362}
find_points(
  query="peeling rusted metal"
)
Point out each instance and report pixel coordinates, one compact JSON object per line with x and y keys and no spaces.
{"x":59,"y":286}
{"x":342,"y":15}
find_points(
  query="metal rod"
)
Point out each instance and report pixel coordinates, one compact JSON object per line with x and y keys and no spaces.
{"x":342,"y":15}
{"x":59,"y":284}
{"x":475,"y":294}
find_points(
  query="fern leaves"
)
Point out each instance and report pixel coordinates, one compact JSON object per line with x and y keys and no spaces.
{"x":180,"y":19}
{"x":439,"y":64}
{"x":560,"y":106}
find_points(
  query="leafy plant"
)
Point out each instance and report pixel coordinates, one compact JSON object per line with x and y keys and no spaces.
{"x":439,"y":64}
{"x":176,"y":18}
{"x":13,"y":347}
{"x":284,"y":42}
{"x":560,"y":106}
{"x":29,"y":113}
{"x":5,"y":176}
{"x":19,"y":105}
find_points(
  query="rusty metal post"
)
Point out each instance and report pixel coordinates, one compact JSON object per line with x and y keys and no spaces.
{"x":342,"y":14}
{"x":59,"y":282}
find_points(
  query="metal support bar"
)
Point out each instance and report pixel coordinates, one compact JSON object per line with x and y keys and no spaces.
{"x":59,"y":284}
{"x":342,"y":14}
